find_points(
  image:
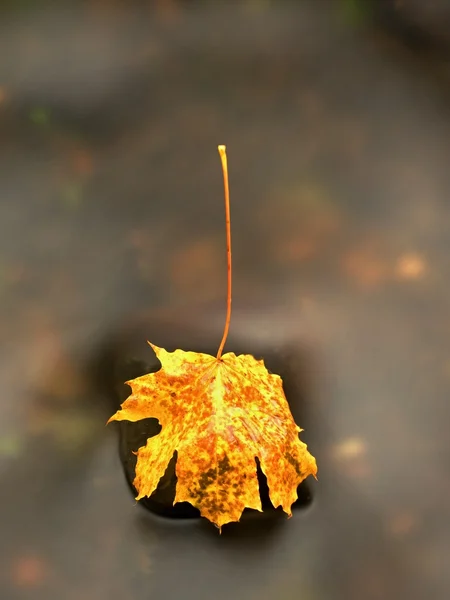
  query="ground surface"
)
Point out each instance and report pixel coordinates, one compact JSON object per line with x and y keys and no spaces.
{"x":111,"y":211}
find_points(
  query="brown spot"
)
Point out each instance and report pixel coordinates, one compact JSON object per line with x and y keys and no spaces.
{"x":224,"y":465}
{"x":207,"y":478}
{"x":291,"y":460}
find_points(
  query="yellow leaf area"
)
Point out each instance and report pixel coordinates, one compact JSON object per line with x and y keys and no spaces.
{"x":218,"y":415}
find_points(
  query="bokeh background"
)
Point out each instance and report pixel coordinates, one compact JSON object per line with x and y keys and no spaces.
{"x":337,"y":122}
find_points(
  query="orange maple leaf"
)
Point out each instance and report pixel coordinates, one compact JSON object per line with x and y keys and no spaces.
{"x":218,"y":414}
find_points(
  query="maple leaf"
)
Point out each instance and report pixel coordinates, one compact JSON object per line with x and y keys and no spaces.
{"x":218,"y":415}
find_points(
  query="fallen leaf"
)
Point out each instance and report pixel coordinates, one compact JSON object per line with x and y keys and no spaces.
{"x":218,"y":415}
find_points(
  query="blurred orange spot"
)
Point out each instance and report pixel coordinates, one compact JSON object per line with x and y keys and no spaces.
{"x":402,"y":524}
{"x":351,"y":454}
{"x":29,"y":572}
{"x":352,"y":447}
{"x":365,"y":268}
{"x":83,"y":163}
{"x":297,"y":249}
{"x":410,"y":266}
{"x":167,"y":9}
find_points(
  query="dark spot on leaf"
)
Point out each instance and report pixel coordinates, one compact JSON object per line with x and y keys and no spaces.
{"x":223,"y":465}
{"x":206,"y":479}
{"x":291,"y":460}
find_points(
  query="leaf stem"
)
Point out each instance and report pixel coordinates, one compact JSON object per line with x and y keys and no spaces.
{"x":223,"y":159}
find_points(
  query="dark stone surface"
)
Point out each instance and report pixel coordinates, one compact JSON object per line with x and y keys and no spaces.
{"x":112,"y":233}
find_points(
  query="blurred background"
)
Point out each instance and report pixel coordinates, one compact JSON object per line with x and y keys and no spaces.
{"x":337,"y":123}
